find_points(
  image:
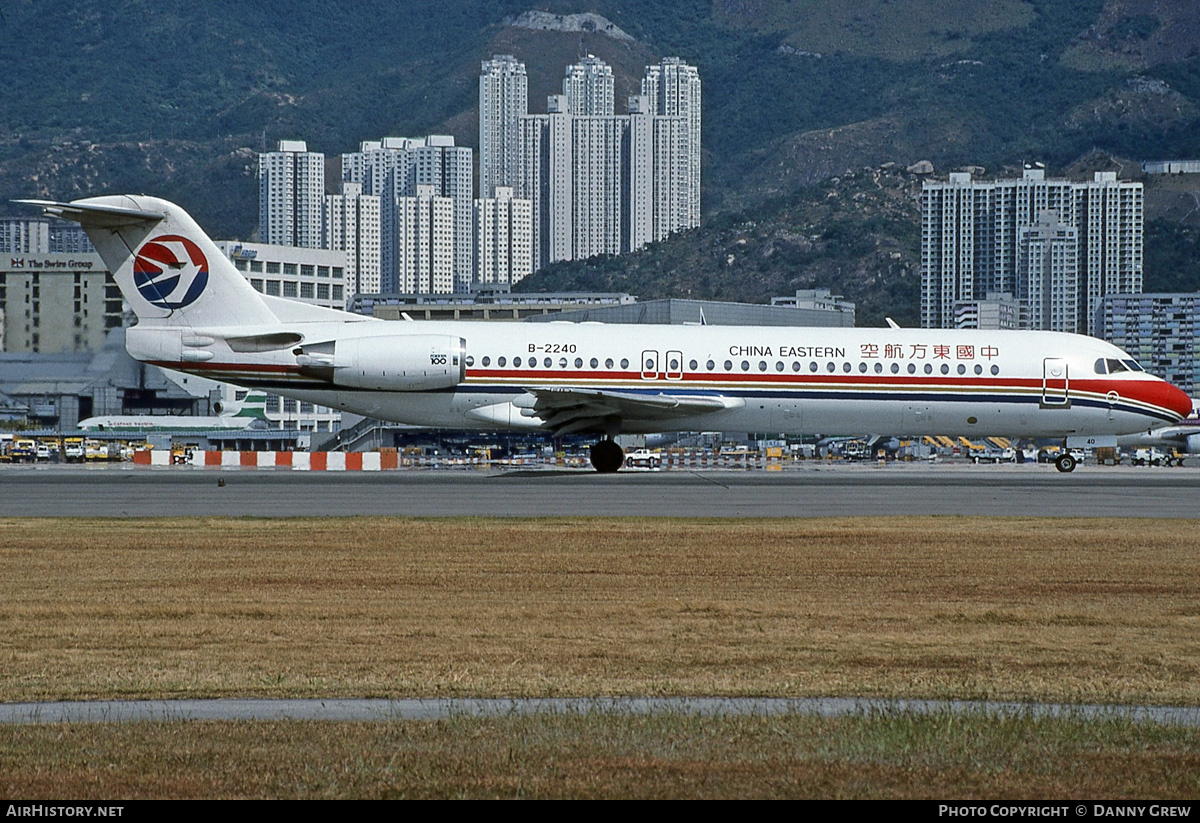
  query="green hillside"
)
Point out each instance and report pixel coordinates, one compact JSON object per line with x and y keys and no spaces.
{"x":857,"y":235}
{"x":175,"y":99}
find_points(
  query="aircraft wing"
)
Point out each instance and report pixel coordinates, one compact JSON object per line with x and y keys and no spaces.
{"x":569,"y":409}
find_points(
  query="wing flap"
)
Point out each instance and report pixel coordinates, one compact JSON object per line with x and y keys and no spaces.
{"x":568,"y":409}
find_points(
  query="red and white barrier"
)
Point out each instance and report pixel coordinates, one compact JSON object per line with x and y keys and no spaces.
{"x":297,"y":461}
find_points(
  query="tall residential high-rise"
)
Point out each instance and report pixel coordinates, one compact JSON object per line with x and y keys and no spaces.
{"x":673,"y":87}
{"x":573,"y":172}
{"x":973,"y":244}
{"x":392,"y":168}
{"x":503,"y":239}
{"x":1048,"y":274}
{"x":659,"y":190}
{"x":381,"y":167}
{"x":449,"y":169}
{"x":351,"y":224}
{"x":503,"y":100}
{"x":600,"y":183}
{"x":588,"y":87}
{"x":291,"y":195}
{"x":425,"y":242}
{"x":1109,"y":214}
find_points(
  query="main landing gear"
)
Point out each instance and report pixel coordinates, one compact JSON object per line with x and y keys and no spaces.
{"x":607,"y":457}
{"x":1066,"y":462}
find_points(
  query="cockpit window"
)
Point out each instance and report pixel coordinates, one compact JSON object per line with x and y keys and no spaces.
{"x":1133,"y":365}
{"x":1115,"y":366}
{"x":1101,"y":368}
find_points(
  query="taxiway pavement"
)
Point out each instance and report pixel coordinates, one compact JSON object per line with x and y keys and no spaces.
{"x":820,"y":491}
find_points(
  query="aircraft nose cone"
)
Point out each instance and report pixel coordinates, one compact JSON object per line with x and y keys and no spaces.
{"x":1177,"y":401}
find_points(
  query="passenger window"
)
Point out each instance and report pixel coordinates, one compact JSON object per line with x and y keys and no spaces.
{"x":608,"y":363}
{"x":945,"y":368}
{"x":962,"y":369}
{"x":795,"y":365}
{"x":692,"y":364}
{"x":895,"y":368}
{"x":594,"y":363}
{"x":710,"y":365}
{"x":812,"y":366}
{"x":879,"y":368}
{"x":779,"y":365}
{"x":547,"y":362}
{"x":624,"y":362}
{"x":487,"y":361}
{"x":928,"y":368}
{"x":995,"y":370}
{"x":846,"y":368}
{"x":831,"y":367}
{"x":579,"y":362}
{"x":912,"y":368}
{"x":501,"y":362}
{"x":762,"y":365}
{"x":516,"y":361}
{"x":862,"y":368}
{"x":978,"y":369}
{"x":745,"y":365}
{"x":470,"y":360}
{"x":728,"y":365}
{"x":562,"y":362}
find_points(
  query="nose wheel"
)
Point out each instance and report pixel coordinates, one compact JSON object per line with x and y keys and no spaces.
{"x":606,"y":456}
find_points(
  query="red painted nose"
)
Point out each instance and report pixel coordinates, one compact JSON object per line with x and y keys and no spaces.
{"x":1176,"y":400}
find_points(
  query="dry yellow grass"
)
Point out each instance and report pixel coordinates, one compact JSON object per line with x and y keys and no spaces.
{"x":1068,"y":610}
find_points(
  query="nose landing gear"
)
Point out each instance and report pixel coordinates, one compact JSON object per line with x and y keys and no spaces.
{"x":607,"y":457}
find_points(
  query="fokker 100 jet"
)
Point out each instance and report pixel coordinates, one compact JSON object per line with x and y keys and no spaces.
{"x":197,"y":314}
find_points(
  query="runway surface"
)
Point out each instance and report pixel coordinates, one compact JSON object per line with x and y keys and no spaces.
{"x":122,"y":711}
{"x":822,"y":490}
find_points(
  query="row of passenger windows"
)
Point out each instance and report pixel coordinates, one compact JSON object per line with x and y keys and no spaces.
{"x":745,"y":365}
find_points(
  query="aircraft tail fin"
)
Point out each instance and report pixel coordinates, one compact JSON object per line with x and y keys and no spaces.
{"x":168,"y":269}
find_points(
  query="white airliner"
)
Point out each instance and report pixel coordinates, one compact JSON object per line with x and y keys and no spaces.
{"x":197,"y":314}
{"x":232,"y":416}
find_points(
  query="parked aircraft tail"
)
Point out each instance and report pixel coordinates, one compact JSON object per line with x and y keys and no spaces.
{"x":168,"y":269}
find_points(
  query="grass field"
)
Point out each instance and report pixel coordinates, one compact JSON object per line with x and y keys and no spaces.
{"x":1026,"y":609}
{"x":610,"y":756}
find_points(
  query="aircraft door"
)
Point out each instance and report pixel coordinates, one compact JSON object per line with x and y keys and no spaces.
{"x":1055,"y":388}
{"x":649,"y":365}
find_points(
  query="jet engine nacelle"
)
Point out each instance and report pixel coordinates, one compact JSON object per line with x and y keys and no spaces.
{"x":400,"y":362}
{"x":1193,"y":444}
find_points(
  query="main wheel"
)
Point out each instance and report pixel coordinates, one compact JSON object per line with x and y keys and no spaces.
{"x":1065,"y":463}
{"x":607,"y":457}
